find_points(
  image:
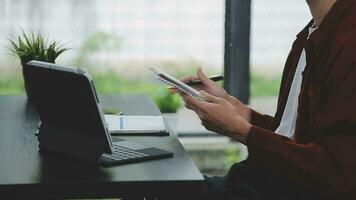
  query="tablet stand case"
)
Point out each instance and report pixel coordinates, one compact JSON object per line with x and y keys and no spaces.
{"x":70,"y":143}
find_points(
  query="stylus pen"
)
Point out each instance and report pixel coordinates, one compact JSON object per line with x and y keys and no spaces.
{"x":213,"y":78}
{"x":197,"y":81}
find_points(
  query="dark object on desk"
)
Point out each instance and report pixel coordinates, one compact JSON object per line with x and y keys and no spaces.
{"x":27,"y":174}
{"x":160,"y":133}
{"x":72,"y":121}
{"x":113,"y":133}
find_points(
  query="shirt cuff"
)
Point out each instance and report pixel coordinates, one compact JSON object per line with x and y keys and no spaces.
{"x":262,"y":144}
{"x":260,"y":120}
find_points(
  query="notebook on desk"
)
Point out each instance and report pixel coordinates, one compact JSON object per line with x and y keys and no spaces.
{"x":72,"y":121}
{"x":136,"y":125}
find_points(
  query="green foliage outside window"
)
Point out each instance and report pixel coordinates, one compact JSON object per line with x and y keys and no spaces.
{"x":111,"y":81}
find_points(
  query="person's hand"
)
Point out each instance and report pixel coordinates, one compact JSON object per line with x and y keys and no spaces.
{"x":220,"y":116}
{"x":212,"y":88}
{"x":206,"y":84}
{"x":244,"y":110}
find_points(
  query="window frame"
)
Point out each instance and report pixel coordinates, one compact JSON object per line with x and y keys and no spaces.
{"x":237,"y":48}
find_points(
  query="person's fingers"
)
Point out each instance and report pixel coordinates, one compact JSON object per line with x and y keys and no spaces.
{"x":188,"y":78}
{"x":182,"y":94}
{"x":195,"y":109}
{"x":200,"y":114}
{"x":188,"y":107}
{"x":209,"y":126}
{"x":206,"y":123}
{"x":188,"y":100}
{"x":197,"y":104}
{"x":172,"y":90}
{"x":203,"y":109}
{"x":202,"y":77}
{"x":194,"y":105}
{"x":209,"y":98}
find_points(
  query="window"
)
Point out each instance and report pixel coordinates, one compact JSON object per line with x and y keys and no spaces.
{"x":274,"y":26}
{"x":118,"y":40}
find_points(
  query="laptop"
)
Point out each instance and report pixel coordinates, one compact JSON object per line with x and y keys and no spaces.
{"x":72,"y":120}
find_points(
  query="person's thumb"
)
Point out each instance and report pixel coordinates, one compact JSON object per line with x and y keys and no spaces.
{"x":209,"y":98}
{"x":202,"y":77}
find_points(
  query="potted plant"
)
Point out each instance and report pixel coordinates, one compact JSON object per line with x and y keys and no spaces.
{"x":34,"y":47}
{"x":166,"y":101}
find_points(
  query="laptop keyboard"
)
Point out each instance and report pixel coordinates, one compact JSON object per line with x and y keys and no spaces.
{"x":123,"y":153}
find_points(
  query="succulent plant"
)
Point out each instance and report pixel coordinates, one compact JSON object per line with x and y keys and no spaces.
{"x":35,"y":47}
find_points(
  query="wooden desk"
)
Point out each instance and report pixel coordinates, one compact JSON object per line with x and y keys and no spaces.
{"x":25,"y":172}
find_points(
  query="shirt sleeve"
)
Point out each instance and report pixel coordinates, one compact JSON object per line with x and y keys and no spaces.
{"x":261,"y":120}
{"x":327,"y":165}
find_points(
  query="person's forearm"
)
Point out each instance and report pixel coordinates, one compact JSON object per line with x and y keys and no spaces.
{"x":244,"y":110}
{"x":251,"y":116}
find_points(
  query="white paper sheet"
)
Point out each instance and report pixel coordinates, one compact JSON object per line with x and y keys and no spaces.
{"x":135,"y":124}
